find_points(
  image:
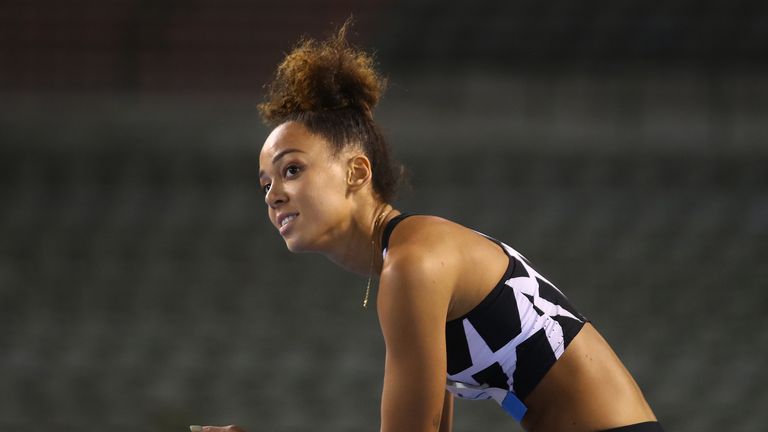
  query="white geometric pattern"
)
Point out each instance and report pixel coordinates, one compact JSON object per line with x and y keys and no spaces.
{"x":535,"y":313}
{"x":510,"y":335}
{"x":529,"y":318}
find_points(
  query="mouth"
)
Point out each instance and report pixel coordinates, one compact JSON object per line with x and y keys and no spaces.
{"x":285,"y":221}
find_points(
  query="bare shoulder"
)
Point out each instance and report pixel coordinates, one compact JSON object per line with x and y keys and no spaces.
{"x":433,"y":257}
{"x":425,"y":234}
{"x":423,"y":245}
{"x":425,"y":241}
{"x":421,"y":268}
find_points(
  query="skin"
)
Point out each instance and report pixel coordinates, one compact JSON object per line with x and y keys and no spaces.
{"x":435,"y":271}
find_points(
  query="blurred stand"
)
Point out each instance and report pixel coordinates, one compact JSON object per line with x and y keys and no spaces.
{"x":621,"y":148}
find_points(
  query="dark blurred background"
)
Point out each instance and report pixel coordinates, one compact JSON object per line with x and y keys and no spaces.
{"x":621,"y":146}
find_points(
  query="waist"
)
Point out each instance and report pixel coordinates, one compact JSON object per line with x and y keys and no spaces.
{"x":588,"y":387}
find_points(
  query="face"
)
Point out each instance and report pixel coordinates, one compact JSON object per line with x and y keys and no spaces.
{"x":305,"y":188}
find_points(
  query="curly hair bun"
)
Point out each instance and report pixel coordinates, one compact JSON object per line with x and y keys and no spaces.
{"x":322,"y":75}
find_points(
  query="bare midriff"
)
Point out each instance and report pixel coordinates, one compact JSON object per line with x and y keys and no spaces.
{"x":587,"y":389}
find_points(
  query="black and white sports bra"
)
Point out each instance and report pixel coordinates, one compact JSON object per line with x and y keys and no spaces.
{"x":505,"y":345}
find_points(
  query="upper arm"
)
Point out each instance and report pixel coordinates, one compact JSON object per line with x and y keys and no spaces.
{"x":413,"y":300}
{"x":446,"y":421}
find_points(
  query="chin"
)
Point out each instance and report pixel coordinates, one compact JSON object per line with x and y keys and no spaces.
{"x":291,"y":246}
{"x":295,"y":246}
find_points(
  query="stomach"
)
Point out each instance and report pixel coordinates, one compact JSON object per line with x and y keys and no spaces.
{"x":588,"y":388}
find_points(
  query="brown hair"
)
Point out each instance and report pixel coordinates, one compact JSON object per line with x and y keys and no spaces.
{"x":331,"y":88}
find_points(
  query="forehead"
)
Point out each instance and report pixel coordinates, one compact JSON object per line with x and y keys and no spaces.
{"x":289,"y":135}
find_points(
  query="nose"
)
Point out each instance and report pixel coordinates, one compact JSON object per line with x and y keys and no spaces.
{"x":275,"y":196}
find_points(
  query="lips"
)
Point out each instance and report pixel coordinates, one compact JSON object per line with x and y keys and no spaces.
{"x":284,"y":221}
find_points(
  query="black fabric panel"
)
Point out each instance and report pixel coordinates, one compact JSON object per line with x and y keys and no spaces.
{"x":639,"y":427}
{"x":456,"y":347}
{"x":494,"y":376}
{"x":551,"y":294}
{"x":390,"y":227}
{"x":570,"y":326}
{"x":534,"y":358}
{"x":518,"y":269}
{"x":500,"y":321}
{"x":536,"y":308}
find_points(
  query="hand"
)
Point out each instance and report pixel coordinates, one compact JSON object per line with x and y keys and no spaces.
{"x":230,"y":428}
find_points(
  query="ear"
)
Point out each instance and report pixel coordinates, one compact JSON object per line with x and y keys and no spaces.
{"x":359,"y":171}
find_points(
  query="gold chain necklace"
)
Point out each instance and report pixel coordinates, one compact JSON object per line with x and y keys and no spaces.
{"x":376,"y":221}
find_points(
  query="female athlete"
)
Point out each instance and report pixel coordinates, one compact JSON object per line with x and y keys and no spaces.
{"x":462,"y":314}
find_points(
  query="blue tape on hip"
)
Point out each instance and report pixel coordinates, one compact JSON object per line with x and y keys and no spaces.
{"x":514,"y":406}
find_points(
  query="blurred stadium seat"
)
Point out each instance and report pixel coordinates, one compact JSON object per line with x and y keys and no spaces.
{"x":621,"y":148}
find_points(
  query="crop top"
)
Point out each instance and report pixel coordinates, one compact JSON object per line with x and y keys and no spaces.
{"x":505,"y":345}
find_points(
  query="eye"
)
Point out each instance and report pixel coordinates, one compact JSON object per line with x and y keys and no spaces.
{"x":292,"y":170}
{"x":265,"y":188}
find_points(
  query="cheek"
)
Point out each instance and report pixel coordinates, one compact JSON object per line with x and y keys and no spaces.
{"x":323,"y":196}
{"x":327,"y":194}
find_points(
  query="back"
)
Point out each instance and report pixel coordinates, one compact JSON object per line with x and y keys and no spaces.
{"x":507,"y":331}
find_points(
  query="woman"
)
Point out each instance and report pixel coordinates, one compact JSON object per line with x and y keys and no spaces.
{"x":462,"y":314}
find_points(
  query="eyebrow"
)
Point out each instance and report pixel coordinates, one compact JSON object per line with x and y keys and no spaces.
{"x":279,"y":155}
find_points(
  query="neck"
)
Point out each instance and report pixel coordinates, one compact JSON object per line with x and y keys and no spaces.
{"x":361,"y":251}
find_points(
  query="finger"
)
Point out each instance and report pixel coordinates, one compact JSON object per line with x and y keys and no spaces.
{"x":230,"y":428}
